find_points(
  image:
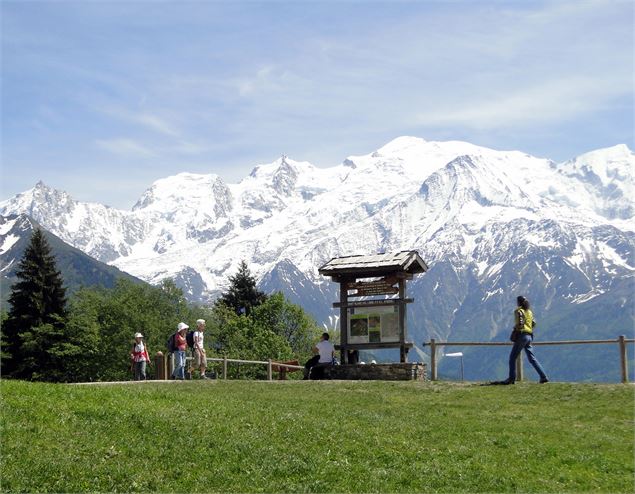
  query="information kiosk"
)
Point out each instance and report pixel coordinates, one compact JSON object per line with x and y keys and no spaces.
{"x":373,"y":300}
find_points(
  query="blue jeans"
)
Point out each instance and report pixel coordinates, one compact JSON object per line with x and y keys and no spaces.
{"x":524,"y":343}
{"x":179,"y":364}
{"x":140,"y":371}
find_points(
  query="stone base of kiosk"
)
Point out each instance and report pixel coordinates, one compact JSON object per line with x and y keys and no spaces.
{"x":376,"y":372}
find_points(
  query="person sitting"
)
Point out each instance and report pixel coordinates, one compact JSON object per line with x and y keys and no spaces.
{"x":325,"y":352}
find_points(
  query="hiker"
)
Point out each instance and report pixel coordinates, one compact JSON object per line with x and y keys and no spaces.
{"x":522,"y":336}
{"x":180,"y":344}
{"x":325,"y":352}
{"x":200,"y":357}
{"x":139,"y":357}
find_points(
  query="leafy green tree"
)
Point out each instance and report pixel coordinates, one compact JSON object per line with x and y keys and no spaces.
{"x":289,"y":321}
{"x":242,"y":295}
{"x":242,"y":337}
{"x":86,"y":336}
{"x":36,"y":324}
{"x":112,"y":317}
{"x":58,"y":354}
{"x":107,"y":319}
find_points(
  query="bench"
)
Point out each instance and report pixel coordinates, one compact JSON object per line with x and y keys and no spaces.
{"x":282,"y":371}
{"x":317,"y":371}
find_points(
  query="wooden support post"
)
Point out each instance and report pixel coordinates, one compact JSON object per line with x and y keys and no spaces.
{"x":269,"y":371}
{"x":224,"y":367}
{"x":344,"y":320}
{"x":159,"y":365}
{"x":623,"y":359}
{"x":403,"y":355}
{"x":519,"y":367}
{"x":433,"y":360}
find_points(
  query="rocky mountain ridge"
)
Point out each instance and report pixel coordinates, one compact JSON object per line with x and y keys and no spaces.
{"x":490,"y":224}
{"x":77,"y":268}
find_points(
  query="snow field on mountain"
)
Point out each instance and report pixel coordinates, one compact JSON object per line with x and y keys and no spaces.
{"x":450,"y":200}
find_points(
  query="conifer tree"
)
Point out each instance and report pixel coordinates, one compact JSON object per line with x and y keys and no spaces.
{"x":242,"y":295}
{"x":37,"y":318}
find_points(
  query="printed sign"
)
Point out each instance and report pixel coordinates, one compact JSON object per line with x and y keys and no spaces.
{"x":370,"y":288}
{"x":373,"y":324}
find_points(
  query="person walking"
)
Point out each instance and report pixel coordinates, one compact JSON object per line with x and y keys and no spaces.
{"x":180,"y":344}
{"x":139,"y":356}
{"x":200,"y":357}
{"x":522,"y":336}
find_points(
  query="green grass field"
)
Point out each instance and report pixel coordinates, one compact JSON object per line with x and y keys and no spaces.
{"x":238,"y":436}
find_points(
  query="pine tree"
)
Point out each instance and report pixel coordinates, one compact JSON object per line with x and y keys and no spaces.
{"x":242,"y":295}
{"x":37,"y":318}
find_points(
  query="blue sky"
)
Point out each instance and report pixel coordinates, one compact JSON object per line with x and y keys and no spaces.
{"x":102,"y":98}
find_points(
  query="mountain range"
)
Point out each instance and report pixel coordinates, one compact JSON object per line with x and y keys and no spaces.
{"x":490,"y":224}
{"x":77,"y":269}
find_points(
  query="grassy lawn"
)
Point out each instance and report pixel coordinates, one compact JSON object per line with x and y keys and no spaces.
{"x":239,"y":436}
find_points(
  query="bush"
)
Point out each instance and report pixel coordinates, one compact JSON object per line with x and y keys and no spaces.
{"x":105,"y":320}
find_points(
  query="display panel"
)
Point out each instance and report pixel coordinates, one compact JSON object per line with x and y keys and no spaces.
{"x":373,"y":324}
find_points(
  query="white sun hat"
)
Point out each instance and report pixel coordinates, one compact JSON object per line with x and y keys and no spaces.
{"x":182,"y":326}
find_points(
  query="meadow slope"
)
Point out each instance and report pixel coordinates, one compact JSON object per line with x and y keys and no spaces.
{"x":238,"y":436}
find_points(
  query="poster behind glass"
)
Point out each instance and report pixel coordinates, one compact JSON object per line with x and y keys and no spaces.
{"x":373,"y":324}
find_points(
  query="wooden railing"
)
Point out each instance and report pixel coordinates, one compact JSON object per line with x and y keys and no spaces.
{"x":269,"y":363}
{"x":621,"y":341}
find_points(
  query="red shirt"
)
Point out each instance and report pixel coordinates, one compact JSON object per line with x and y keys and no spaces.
{"x":181,"y":342}
{"x":140,"y":353}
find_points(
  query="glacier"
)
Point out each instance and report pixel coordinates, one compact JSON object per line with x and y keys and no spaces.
{"x":489,"y":223}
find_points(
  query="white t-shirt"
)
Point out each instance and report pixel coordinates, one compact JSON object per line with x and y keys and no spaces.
{"x":198,"y":340}
{"x":326,"y":350}
{"x":139,"y":352}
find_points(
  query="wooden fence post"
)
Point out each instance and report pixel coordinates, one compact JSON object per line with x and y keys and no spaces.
{"x":171,"y":364}
{"x":623,"y":359}
{"x":269,"y":371}
{"x":519,"y":367}
{"x":224,"y":367}
{"x":433,"y":360}
{"x":159,"y":366}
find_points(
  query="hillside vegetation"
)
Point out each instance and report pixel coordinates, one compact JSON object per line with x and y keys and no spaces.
{"x":240,"y":436}
{"x":77,"y":268}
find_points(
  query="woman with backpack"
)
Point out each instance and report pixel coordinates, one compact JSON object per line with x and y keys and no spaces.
{"x":180,"y":344}
{"x":139,"y":357}
{"x":522,"y":336}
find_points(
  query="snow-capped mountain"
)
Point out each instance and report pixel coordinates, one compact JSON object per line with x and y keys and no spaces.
{"x":490,"y":224}
{"x":77,"y":268}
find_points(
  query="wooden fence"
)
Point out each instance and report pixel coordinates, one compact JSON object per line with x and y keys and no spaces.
{"x":621,"y":341}
{"x":269,"y":363}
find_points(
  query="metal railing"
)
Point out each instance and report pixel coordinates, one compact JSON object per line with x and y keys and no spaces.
{"x":621,"y":341}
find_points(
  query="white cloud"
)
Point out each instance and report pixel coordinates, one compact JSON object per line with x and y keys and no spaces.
{"x":264,"y":79}
{"x":125,"y":147}
{"x":531,"y":104}
{"x":145,"y":119}
{"x":155,"y":123}
{"x":188,"y":148}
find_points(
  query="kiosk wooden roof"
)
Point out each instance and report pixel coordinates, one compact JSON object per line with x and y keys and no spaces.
{"x":375,"y":265}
